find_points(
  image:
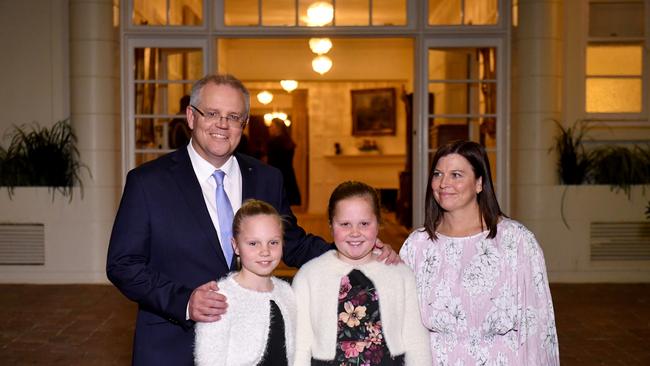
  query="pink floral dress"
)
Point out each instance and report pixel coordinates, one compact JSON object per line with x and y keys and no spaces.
{"x":484,"y":301}
{"x":360,"y":340}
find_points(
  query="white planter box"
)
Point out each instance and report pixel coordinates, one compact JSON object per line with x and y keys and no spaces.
{"x":76,"y":234}
{"x":567,"y":250}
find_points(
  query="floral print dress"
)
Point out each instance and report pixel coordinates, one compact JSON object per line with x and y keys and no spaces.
{"x":484,"y":301}
{"x":360,"y":340}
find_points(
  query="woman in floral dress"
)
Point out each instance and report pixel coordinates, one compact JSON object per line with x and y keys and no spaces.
{"x":352,"y":309}
{"x":481,"y":278}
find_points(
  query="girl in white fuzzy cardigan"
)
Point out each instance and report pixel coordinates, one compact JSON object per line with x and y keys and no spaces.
{"x":259,"y":326}
{"x":353,"y":310}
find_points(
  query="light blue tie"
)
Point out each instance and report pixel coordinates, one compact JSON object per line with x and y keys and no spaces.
{"x":225,"y":214}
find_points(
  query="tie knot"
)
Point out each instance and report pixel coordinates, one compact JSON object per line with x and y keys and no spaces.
{"x":218,"y":176}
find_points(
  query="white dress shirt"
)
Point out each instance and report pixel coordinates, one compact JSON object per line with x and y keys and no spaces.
{"x":231,"y":183}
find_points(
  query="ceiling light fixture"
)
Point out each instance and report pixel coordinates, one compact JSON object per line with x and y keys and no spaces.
{"x":269,"y":117}
{"x":319,"y":14}
{"x":265,"y":97}
{"x":320,"y":46}
{"x":321,"y":64}
{"x":289,"y":85}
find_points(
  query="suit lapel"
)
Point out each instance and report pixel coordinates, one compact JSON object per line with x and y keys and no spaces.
{"x":247,"y":177}
{"x":190,"y":189}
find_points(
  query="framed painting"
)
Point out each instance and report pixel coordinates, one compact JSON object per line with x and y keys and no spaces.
{"x":373,"y":112}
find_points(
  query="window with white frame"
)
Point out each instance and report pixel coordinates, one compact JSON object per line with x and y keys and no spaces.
{"x":616,"y":59}
{"x":167,"y":12}
{"x":463,"y":12}
{"x":314,"y":13}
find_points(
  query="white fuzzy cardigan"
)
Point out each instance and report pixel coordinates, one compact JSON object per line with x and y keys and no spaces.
{"x":316,"y":287}
{"x":240,"y":337}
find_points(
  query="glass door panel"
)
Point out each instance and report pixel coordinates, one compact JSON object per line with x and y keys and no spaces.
{"x":462,"y":98}
{"x":162,"y":82}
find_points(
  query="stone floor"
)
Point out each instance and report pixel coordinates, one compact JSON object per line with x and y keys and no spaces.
{"x":598,"y":324}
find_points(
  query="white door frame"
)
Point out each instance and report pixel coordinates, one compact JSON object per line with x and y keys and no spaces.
{"x":128,"y":82}
{"x":421,"y":164}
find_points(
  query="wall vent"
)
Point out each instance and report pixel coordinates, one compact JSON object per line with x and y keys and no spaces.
{"x":22,"y":244}
{"x":620,"y":241}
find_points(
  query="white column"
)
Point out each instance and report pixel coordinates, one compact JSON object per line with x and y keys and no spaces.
{"x":94,"y":98}
{"x":537,"y":90}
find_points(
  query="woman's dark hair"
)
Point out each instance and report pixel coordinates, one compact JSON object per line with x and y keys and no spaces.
{"x":284,"y":138}
{"x":253,"y":208}
{"x":353,"y":189}
{"x":488,"y":205}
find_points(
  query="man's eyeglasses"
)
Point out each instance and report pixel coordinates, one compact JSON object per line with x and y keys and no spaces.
{"x":234,"y":120}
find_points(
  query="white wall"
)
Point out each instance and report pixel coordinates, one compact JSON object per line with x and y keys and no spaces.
{"x":75,"y":242}
{"x":34,"y":64}
{"x":36,"y":74}
{"x":567,"y":249}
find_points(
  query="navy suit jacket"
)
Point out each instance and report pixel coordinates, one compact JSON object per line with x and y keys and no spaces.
{"x":164,"y":245}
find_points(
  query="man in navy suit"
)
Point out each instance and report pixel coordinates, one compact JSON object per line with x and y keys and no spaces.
{"x":165,"y":251}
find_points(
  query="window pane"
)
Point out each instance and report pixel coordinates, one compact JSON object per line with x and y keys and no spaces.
{"x":150,"y":12}
{"x":145,"y":133}
{"x":352,"y":12}
{"x":479,"y":12}
{"x":186,"y":12}
{"x":609,"y":95}
{"x":151,"y":98}
{"x":451,"y":12}
{"x":444,"y":130}
{"x":168,"y":64}
{"x":388,"y":12}
{"x":278,"y":12}
{"x":175,"y":93}
{"x":241,"y":12}
{"x":444,"y":12}
{"x":623,"y":19}
{"x":455,"y":98}
{"x":154,"y":12}
{"x":453,"y":64}
{"x":181,"y":64}
{"x":614,"y":60}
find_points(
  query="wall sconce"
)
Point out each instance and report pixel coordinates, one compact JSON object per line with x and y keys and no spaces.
{"x":321,"y":64}
{"x":320,"y":46}
{"x":319,"y":14}
{"x":264,"y":97}
{"x":289,"y":85}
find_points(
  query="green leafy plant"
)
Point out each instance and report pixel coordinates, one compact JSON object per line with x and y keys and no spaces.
{"x":621,"y":167}
{"x":41,"y":156}
{"x":574,"y":162}
{"x":617,"y":166}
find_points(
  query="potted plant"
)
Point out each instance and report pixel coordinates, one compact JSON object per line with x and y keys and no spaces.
{"x":621,"y":167}
{"x":617,"y":166}
{"x":41,"y":156}
{"x":574,"y":162}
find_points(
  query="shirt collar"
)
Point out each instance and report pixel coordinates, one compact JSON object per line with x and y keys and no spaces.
{"x":203,"y":169}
